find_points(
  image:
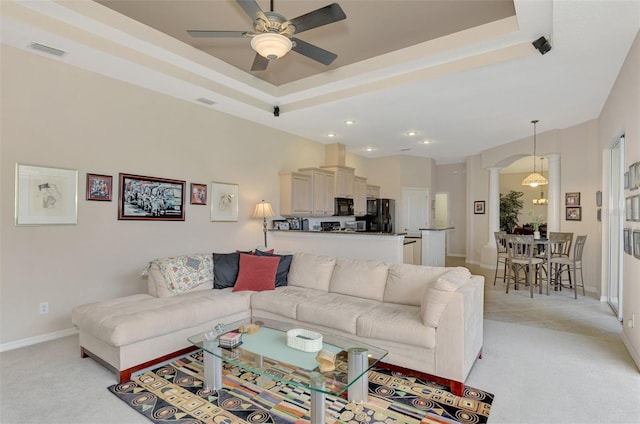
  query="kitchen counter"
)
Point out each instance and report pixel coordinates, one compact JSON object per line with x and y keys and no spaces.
{"x":385,"y":247}
{"x":434,"y":245}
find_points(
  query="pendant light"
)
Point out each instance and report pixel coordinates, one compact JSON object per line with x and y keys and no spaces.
{"x":542,"y":200}
{"x":534,"y":179}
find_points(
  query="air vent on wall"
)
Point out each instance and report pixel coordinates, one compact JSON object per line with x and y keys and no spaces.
{"x":206,"y":101}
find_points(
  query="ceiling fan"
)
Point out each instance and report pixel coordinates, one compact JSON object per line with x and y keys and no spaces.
{"x":273,"y":34}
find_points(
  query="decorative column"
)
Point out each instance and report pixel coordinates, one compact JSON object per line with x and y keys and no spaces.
{"x":554,"y":208}
{"x":494,"y":204}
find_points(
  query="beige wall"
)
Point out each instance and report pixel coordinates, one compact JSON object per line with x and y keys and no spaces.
{"x":620,"y":115}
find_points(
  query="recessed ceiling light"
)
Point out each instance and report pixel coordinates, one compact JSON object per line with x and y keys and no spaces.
{"x":424,"y":142}
{"x":331,"y":135}
{"x":411,"y":133}
{"x":369,"y":149}
{"x":349,"y":122}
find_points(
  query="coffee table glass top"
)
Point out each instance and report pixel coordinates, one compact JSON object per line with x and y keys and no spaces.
{"x":266,"y":353}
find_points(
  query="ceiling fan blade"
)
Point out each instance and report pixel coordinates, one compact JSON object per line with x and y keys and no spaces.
{"x":323,"y":16}
{"x":259,"y":63}
{"x":251,"y":8}
{"x":313,"y":52}
{"x":216,"y":34}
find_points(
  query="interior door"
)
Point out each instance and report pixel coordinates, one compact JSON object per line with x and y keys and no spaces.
{"x":415,"y":209}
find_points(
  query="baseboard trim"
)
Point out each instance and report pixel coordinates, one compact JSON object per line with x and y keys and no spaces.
{"x":38,"y":339}
{"x":634,"y":355}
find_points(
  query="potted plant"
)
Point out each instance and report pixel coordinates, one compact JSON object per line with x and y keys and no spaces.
{"x":536,"y":221}
{"x":510,"y":207}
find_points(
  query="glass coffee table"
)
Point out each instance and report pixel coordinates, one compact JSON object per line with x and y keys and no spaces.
{"x":267,"y":354}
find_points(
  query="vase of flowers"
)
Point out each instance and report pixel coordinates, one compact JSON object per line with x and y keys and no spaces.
{"x":536,"y":221}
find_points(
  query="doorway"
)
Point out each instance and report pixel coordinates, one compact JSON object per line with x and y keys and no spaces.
{"x":441,"y":216}
{"x":616,"y":225}
{"x":415,"y":210}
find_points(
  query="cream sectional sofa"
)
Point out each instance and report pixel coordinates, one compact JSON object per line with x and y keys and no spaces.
{"x":430,"y":319}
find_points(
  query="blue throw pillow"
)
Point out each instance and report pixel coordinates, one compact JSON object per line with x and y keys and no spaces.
{"x":283,"y":267}
{"x":225,"y":269}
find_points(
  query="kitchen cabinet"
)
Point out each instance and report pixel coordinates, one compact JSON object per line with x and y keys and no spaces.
{"x":344,"y":176}
{"x":359,"y":196}
{"x":295,"y":194}
{"x":322,"y":189}
{"x":373,"y":191}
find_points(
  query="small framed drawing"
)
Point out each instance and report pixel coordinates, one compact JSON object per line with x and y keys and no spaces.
{"x":572,"y":199}
{"x":478,"y":207}
{"x":626,"y":180}
{"x":224,"y":202}
{"x":598,"y":198}
{"x":574,"y":213}
{"x":150,"y":198}
{"x":628,"y":209}
{"x":636,"y":243}
{"x":46,"y":195}
{"x":628,"y":249}
{"x":280,"y":224}
{"x":198,"y":194}
{"x":99,"y":187}
{"x":635,"y":207}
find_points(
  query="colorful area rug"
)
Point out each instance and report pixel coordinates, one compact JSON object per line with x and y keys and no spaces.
{"x":175,"y":393}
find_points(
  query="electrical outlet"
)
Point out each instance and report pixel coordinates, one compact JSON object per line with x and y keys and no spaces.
{"x":44,"y":308}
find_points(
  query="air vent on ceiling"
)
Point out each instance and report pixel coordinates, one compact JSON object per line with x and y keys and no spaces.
{"x":404,"y":150}
{"x":206,"y":101}
{"x":47,"y":49}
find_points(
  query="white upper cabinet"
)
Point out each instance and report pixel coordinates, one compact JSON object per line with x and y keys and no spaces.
{"x":344,"y":176}
{"x":323,"y":190}
{"x":295,"y":194}
{"x":373,"y":192}
{"x":359,"y":196}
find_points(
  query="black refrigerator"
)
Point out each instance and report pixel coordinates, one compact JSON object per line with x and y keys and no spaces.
{"x":381,"y":215}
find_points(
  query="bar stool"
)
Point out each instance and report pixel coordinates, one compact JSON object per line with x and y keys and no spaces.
{"x":502,"y":256}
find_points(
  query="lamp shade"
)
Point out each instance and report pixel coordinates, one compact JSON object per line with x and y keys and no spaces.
{"x":263,"y":210}
{"x":271,"y":45}
{"x":534,"y":180}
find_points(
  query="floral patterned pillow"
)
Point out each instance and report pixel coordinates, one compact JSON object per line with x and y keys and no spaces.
{"x":184,"y":273}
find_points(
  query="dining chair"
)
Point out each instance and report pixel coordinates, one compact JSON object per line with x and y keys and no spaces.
{"x":572,"y":264}
{"x":521,"y":259}
{"x":502,"y":256}
{"x":560,"y":245}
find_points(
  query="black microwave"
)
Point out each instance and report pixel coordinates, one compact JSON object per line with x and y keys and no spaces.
{"x":343,"y":206}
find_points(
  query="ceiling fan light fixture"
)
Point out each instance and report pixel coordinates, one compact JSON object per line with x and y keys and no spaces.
{"x":271,"y":45}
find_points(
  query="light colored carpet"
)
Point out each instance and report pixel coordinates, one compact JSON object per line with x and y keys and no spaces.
{"x":551,"y":359}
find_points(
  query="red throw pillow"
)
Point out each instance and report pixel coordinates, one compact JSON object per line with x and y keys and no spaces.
{"x":256,"y":273}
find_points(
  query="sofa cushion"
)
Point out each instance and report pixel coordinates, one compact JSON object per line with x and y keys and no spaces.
{"x":225,"y":269}
{"x":333,"y":310}
{"x":283,"y":300}
{"x":359,"y":278}
{"x":453,"y":279}
{"x":406,"y":283}
{"x":311,"y":271}
{"x":256,"y":273}
{"x":283,"y":266}
{"x":434,"y":302}
{"x":183,"y":273}
{"x":141,"y":317}
{"x":396,"y":323}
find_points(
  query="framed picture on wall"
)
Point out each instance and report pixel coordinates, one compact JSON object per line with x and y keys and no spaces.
{"x":574,"y":213}
{"x":478,"y":207}
{"x":598,"y":198}
{"x":636,"y":243}
{"x":46,"y":196}
{"x":99,"y":187}
{"x":628,"y":249}
{"x":224,"y":202}
{"x":635,"y":207}
{"x":572,"y":199}
{"x":628,"y":209}
{"x":150,"y":198}
{"x":198,"y":194}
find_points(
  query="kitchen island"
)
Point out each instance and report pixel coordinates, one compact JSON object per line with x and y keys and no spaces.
{"x":434,"y":245}
{"x":385,"y":247}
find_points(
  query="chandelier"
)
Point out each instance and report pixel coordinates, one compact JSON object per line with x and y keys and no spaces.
{"x":542,"y":200}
